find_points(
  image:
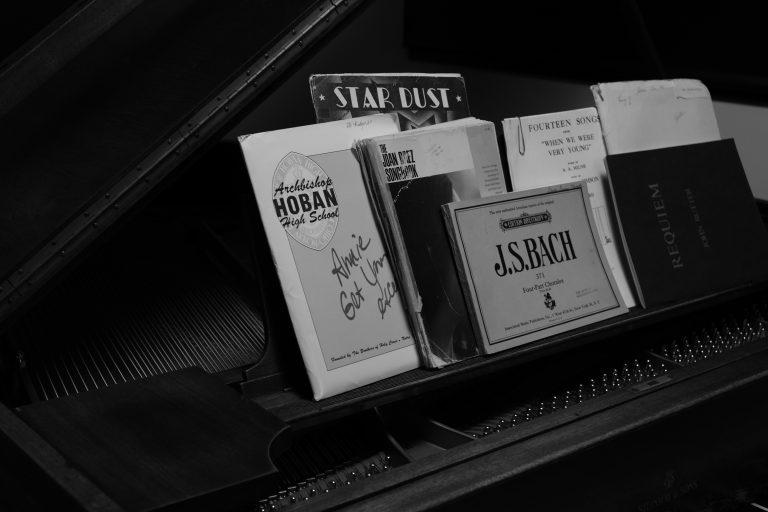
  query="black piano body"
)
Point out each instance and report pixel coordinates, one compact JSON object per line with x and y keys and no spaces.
{"x":146,"y":358}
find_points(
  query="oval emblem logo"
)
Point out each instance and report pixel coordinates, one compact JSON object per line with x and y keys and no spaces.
{"x":305,"y":201}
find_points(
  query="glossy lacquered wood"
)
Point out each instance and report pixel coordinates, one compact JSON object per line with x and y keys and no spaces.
{"x":36,"y":475}
{"x":478,"y":466}
{"x":296,"y":407}
{"x":179,"y":440}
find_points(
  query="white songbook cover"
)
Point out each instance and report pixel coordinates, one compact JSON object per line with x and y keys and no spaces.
{"x":337,"y":281}
{"x":531,"y":265}
{"x":652,"y":114}
{"x":563,"y":147}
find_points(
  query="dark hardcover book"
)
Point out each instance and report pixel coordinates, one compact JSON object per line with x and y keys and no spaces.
{"x":689,"y":222}
{"x":418,"y":99}
{"x":412,"y":175}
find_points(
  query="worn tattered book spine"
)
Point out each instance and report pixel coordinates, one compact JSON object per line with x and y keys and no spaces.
{"x":563,"y":147}
{"x":341,"y":293}
{"x":418,"y":99}
{"x":652,"y":114}
{"x":414,"y":174}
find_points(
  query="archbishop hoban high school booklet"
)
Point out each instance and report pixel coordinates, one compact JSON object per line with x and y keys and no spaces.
{"x":338,"y":283}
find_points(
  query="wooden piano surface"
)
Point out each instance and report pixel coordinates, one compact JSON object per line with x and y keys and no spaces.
{"x":659,"y":400}
{"x":644,"y":412}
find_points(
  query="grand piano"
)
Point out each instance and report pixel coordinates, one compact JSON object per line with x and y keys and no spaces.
{"x":146,"y":358}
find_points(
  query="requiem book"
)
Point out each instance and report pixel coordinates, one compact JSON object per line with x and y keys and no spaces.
{"x":688,"y":220}
{"x":560,"y":147}
{"x":418,"y":99}
{"x":531,"y":264}
{"x":412,"y":174}
{"x":654,"y":114}
{"x":341,"y":293}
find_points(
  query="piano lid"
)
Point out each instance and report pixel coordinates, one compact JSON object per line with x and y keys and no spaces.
{"x":111,"y":98}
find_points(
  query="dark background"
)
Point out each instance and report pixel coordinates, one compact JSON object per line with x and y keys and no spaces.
{"x":721,"y":43}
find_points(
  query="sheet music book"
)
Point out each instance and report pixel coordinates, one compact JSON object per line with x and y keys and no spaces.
{"x":561,"y":147}
{"x":654,"y":114}
{"x":411,"y":175}
{"x":418,"y":99}
{"x":688,"y":220}
{"x":337,"y":281}
{"x":531,"y":264}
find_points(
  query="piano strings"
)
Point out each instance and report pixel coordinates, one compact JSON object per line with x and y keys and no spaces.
{"x":698,"y":342}
{"x":182,"y":324}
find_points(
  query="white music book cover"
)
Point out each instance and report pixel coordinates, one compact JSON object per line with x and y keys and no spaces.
{"x":562,"y":147}
{"x":642,"y":115}
{"x":531,"y":265}
{"x":336,"y":278}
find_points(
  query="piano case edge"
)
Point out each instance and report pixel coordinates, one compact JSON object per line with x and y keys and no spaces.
{"x":192,"y":134}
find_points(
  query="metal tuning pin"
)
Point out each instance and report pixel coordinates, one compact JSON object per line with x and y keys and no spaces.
{"x":593,"y":388}
{"x":731,"y":333}
{"x":312,"y":487}
{"x":325,"y":481}
{"x":605,"y":382}
{"x":615,"y":379}
{"x":567,"y":399}
{"x":759,"y":320}
{"x":649,"y":371}
{"x":626,"y":374}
